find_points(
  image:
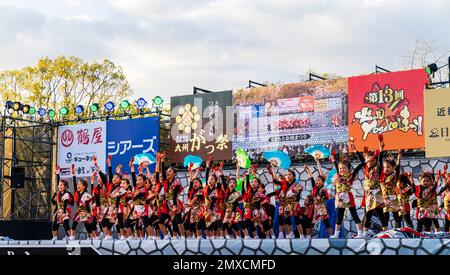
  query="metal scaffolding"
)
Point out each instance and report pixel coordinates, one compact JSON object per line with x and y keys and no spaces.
{"x":31,"y":144}
{"x":28,"y":144}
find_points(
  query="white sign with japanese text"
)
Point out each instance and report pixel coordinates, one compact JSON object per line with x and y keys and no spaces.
{"x":78,"y":144}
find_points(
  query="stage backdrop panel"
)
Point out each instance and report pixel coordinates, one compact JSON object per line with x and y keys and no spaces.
{"x":437,"y":123}
{"x":290,"y":117}
{"x":127,"y":138}
{"x":79,"y":144}
{"x":201,"y":125}
{"x":390,"y":104}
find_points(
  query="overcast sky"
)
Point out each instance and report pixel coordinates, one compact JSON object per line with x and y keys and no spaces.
{"x":167,"y":47}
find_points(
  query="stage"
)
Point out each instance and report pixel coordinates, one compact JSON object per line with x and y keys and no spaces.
{"x":230,"y":247}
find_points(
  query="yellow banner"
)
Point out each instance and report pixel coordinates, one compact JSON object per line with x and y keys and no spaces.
{"x":437,"y":123}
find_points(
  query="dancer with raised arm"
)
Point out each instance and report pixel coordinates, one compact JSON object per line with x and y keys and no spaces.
{"x":289,"y":197}
{"x":61,"y":199}
{"x":153,"y":186}
{"x":213,"y":200}
{"x":169,"y":208}
{"x":404,"y":190}
{"x":389,"y":179}
{"x":319,"y":196}
{"x":344,"y":196}
{"x":106,"y":213}
{"x":427,"y":193}
{"x":373,"y":198}
{"x":195,"y":205}
{"x":230,"y":222}
{"x":83,"y":201}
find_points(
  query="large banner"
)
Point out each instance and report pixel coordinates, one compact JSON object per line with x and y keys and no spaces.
{"x":78,"y":144}
{"x":122,"y":139}
{"x":201,"y":125}
{"x":390,"y":104}
{"x":291,"y":117}
{"x":127,"y":138}
{"x":437,"y":123}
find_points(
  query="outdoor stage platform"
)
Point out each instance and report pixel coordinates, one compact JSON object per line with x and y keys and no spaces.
{"x":231,"y":247}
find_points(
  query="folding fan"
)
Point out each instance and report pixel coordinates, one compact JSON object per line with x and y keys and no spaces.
{"x":318,"y":151}
{"x":144,"y":158}
{"x":196,"y":160}
{"x":243,"y":159}
{"x":278,"y":158}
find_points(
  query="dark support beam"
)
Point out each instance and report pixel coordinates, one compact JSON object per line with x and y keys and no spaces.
{"x":312,"y":77}
{"x":197,"y":90}
{"x":251,"y":84}
{"x":379,"y":69}
{"x":448,"y":68}
{"x":439,"y":83}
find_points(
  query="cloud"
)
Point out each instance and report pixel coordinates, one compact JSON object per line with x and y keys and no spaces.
{"x":167,"y":47}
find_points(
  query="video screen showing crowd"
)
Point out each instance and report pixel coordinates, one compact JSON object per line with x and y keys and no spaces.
{"x":147,"y":205}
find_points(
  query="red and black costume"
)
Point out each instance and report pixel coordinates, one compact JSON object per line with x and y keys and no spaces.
{"x":138,"y":206}
{"x":373,"y":198}
{"x":267,"y":211}
{"x":195,"y":208}
{"x":289,"y":197}
{"x":344,"y":195}
{"x":388,"y":184}
{"x":232,"y":215}
{"x":123,"y":200}
{"x":305,"y":214}
{"x":256,"y":211}
{"x":404,"y":190}
{"x":151,"y":201}
{"x":427,"y":205}
{"x":62,"y":215}
{"x":319,"y":196}
{"x":106,"y":205}
{"x":213,"y":205}
{"x":167,"y":198}
{"x":83,"y":201}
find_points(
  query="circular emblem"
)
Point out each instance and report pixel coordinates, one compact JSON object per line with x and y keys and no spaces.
{"x":67,"y":138}
{"x":187,"y":118}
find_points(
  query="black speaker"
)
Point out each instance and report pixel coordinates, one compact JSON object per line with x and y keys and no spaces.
{"x":17,"y":177}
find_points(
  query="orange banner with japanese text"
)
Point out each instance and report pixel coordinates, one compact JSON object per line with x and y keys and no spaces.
{"x":390,"y":104}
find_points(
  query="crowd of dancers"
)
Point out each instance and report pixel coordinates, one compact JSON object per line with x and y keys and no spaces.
{"x":147,"y":205}
{"x":294,"y":123}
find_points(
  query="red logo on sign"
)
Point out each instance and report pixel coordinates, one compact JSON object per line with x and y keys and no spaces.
{"x":67,"y":138}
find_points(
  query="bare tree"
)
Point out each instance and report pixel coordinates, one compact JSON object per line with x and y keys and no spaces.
{"x":425,"y":51}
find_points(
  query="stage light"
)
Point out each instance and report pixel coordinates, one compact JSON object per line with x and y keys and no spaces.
{"x":51,"y":114}
{"x":32,"y":111}
{"x":26,"y":109}
{"x":94,"y":107}
{"x":140,"y":103}
{"x":17,"y":106}
{"x":79,"y":109}
{"x":64,"y":111}
{"x":109,"y":106}
{"x":124,"y":105}
{"x":157,"y":100}
{"x":42,"y":111}
{"x":431,"y":68}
